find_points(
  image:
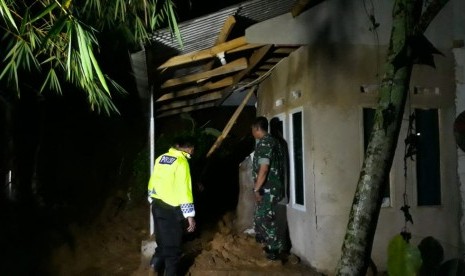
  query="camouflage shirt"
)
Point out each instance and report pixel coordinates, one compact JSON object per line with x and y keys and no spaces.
{"x":269,"y":151}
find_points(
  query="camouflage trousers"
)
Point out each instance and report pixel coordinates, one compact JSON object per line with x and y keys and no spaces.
{"x":265,"y":223}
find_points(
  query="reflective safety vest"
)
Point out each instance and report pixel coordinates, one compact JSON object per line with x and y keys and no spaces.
{"x":171,"y":179}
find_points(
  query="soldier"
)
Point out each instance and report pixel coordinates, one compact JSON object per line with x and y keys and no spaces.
{"x":268,"y":187}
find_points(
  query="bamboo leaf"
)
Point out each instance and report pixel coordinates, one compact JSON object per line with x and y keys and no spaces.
{"x":12,"y":70}
{"x":56,"y":28}
{"x":47,"y":10}
{"x":24,"y":22}
{"x":99,"y":72}
{"x":5,"y":12}
{"x":174,"y":24}
{"x":52,"y":82}
{"x":84,"y":53}
{"x":69,"y":33}
{"x":9,"y":66}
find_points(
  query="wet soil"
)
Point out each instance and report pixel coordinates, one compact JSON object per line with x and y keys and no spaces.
{"x":112,"y":246}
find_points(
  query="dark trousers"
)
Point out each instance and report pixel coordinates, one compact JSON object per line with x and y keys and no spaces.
{"x":168,"y":223}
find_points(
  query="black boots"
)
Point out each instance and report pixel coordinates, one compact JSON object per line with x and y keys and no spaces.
{"x":272,"y":255}
{"x":156,"y":263}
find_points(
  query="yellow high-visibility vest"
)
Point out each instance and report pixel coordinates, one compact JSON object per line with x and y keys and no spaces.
{"x":171,"y":179}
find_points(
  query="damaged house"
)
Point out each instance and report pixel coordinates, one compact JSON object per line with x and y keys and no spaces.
{"x":318,"y":69}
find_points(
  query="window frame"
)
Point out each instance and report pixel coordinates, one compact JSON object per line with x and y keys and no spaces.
{"x":292,"y":174}
{"x":415,"y":164}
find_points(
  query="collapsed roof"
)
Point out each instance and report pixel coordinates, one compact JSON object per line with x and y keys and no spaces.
{"x":215,"y":63}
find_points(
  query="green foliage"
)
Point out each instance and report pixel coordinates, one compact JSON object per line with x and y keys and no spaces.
{"x":141,"y":174}
{"x":403,"y":258}
{"x":426,"y":260}
{"x":57,"y":41}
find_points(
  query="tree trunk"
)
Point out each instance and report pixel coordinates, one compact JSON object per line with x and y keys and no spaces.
{"x":356,"y":249}
{"x":408,"y":21}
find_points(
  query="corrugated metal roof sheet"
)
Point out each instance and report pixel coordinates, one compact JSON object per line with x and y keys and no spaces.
{"x":201,"y":33}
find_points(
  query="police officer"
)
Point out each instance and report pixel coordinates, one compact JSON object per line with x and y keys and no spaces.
{"x":268,"y":175}
{"x":170,"y":193}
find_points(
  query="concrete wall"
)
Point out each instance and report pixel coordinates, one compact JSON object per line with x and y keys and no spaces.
{"x":329,"y":79}
{"x":339,"y":57}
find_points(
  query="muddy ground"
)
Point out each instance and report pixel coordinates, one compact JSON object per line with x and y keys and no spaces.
{"x":112,"y":246}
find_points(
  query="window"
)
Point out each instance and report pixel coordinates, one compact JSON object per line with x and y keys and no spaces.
{"x":368,"y":120}
{"x":296,"y":160}
{"x":427,"y":158}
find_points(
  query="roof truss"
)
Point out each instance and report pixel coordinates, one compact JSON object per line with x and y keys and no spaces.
{"x":206,"y":78}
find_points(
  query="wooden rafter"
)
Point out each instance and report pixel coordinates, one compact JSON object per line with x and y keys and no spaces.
{"x":204,"y":54}
{"x":266,"y":67}
{"x":284,"y":50}
{"x":256,"y":57}
{"x":273,"y":60}
{"x":186,"y":109}
{"x":229,"y":23}
{"x":245,"y":47}
{"x":232,"y":121}
{"x":192,"y":91}
{"x":237,"y":65}
{"x":183,"y":103}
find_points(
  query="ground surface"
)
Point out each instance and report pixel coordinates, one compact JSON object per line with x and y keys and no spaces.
{"x":112,"y":246}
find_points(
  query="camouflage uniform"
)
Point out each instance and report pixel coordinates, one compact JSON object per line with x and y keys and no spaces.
{"x":273,"y":189}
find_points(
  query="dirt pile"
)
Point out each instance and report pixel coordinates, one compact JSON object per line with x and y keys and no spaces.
{"x":230,"y":253}
{"x":112,"y":246}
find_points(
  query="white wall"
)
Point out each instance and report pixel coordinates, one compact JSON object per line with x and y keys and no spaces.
{"x":343,"y":56}
{"x":329,"y":79}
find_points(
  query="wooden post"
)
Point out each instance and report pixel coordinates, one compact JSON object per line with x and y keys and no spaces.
{"x":231,"y":122}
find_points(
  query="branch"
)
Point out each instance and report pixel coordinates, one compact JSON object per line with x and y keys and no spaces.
{"x":430,"y":13}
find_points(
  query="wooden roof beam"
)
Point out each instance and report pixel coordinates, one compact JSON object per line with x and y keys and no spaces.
{"x":245,"y":47}
{"x":231,"y":121}
{"x":204,"y":54}
{"x":284,"y":50}
{"x":256,"y":57}
{"x":273,"y":60}
{"x":266,"y":67}
{"x":213,"y":96}
{"x":228,"y":25}
{"x":196,"y":90}
{"x":185,"y":109}
{"x":237,"y":65}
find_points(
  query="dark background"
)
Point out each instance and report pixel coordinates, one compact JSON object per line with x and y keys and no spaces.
{"x":70,"y":160}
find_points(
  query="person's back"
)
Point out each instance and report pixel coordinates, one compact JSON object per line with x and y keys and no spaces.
{"x":269,"y":146}
{"x":170,"y":193}
{"x":171,"y":179}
